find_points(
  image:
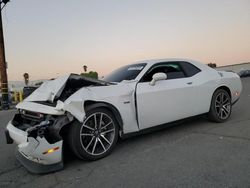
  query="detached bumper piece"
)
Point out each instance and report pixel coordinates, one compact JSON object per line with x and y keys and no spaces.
{"x":37,"y":168}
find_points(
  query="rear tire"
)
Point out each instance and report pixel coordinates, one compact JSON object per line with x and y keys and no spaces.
{"x":96,"y":137}
{"x":221,"y":107}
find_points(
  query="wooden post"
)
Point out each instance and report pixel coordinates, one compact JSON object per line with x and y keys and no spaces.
{"x":3,"y":69}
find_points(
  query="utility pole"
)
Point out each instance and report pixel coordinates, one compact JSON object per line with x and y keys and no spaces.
{"x":3,"y":67}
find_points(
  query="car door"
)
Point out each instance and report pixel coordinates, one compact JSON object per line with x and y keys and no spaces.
{"x":168,"y":100}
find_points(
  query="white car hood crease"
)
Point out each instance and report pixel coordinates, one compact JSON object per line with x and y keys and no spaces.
{"x":46,"y":92}
{"x":50,"y":90}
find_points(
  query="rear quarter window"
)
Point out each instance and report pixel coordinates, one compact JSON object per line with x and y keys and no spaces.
{"x":189,"y":69}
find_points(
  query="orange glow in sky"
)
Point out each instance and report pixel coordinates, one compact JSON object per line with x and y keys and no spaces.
{"x":64,"y":35}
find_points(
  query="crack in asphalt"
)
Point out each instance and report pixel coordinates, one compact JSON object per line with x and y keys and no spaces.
{"x":10,"y":170}
{"x":220,"y":125}
{"x":56,"y":180}
{"x":221,"y":135}
{"x":71,"y":180}
{"x":237,"y":121}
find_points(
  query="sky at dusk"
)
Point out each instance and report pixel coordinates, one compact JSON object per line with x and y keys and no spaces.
{"x":52,"y":38}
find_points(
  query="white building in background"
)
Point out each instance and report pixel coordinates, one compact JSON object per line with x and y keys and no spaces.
{"x":235,"y":68}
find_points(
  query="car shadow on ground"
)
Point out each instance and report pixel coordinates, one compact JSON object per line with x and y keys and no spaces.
{"x":172,"y":130}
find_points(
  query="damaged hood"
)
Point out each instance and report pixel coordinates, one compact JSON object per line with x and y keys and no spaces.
{"x":62,"y":87}
{"x":69,"y":93}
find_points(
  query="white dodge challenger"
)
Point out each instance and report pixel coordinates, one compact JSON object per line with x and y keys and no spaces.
{"x":90,"y":115}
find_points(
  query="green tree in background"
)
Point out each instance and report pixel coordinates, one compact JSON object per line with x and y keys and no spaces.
{"x":212,"y":65}
{"x":91,"y":74}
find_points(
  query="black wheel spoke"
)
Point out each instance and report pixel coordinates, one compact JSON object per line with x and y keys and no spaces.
{"x":101,"y":144}
{"x":222,"y":105}
{"x":86,"y":126}
{"x":95,"y":121}
{"x":225,"y":101}
{"x":93,"y":149}
{"x":100,"y":123}
{"x":106,"y":125}
{"x":89,"y":143}
{"x":108,"y":131}
{"x":105,"y":139}
{"x":86,"y":134}
{"x":221,"y":97}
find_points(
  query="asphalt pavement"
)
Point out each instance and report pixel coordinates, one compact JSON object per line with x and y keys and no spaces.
{"x":195,"y":153}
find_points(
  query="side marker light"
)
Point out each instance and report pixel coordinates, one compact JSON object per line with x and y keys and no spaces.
{"x":50,"y":150}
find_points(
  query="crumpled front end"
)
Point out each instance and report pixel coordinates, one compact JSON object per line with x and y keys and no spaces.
{"x":38,"y":138}
{"x":37,"y":126}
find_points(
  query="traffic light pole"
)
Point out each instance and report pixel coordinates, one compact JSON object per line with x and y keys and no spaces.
{"x":3,"y":69}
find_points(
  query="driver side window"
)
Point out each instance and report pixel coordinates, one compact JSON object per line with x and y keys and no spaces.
{"x":173,"y":71}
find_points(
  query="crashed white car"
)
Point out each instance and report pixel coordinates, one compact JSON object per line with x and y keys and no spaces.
{"x":90,"y":115}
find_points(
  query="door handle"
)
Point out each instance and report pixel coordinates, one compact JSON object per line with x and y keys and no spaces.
{"x":189,"y":83}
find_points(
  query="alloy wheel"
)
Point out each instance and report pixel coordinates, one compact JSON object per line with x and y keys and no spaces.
{"x":97,"y":133}
{"x":222,"y":105}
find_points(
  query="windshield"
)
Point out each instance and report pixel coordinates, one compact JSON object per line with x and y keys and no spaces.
{"x":128,"y":72}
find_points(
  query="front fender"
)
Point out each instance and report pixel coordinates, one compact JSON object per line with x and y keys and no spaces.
{"x":121,"y":97}
{"x":75,"y":104}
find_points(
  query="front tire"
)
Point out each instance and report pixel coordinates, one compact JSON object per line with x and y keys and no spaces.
{"x":96,"y":137}
{"x":221,"y":107}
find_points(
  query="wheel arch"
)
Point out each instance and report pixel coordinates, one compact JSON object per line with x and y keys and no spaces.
{"x":220,"y":87}
{"x":89,"y":104}
{"x":227,"y":89}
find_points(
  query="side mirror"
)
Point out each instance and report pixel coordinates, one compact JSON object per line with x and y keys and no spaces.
{"x":157,"y":77}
